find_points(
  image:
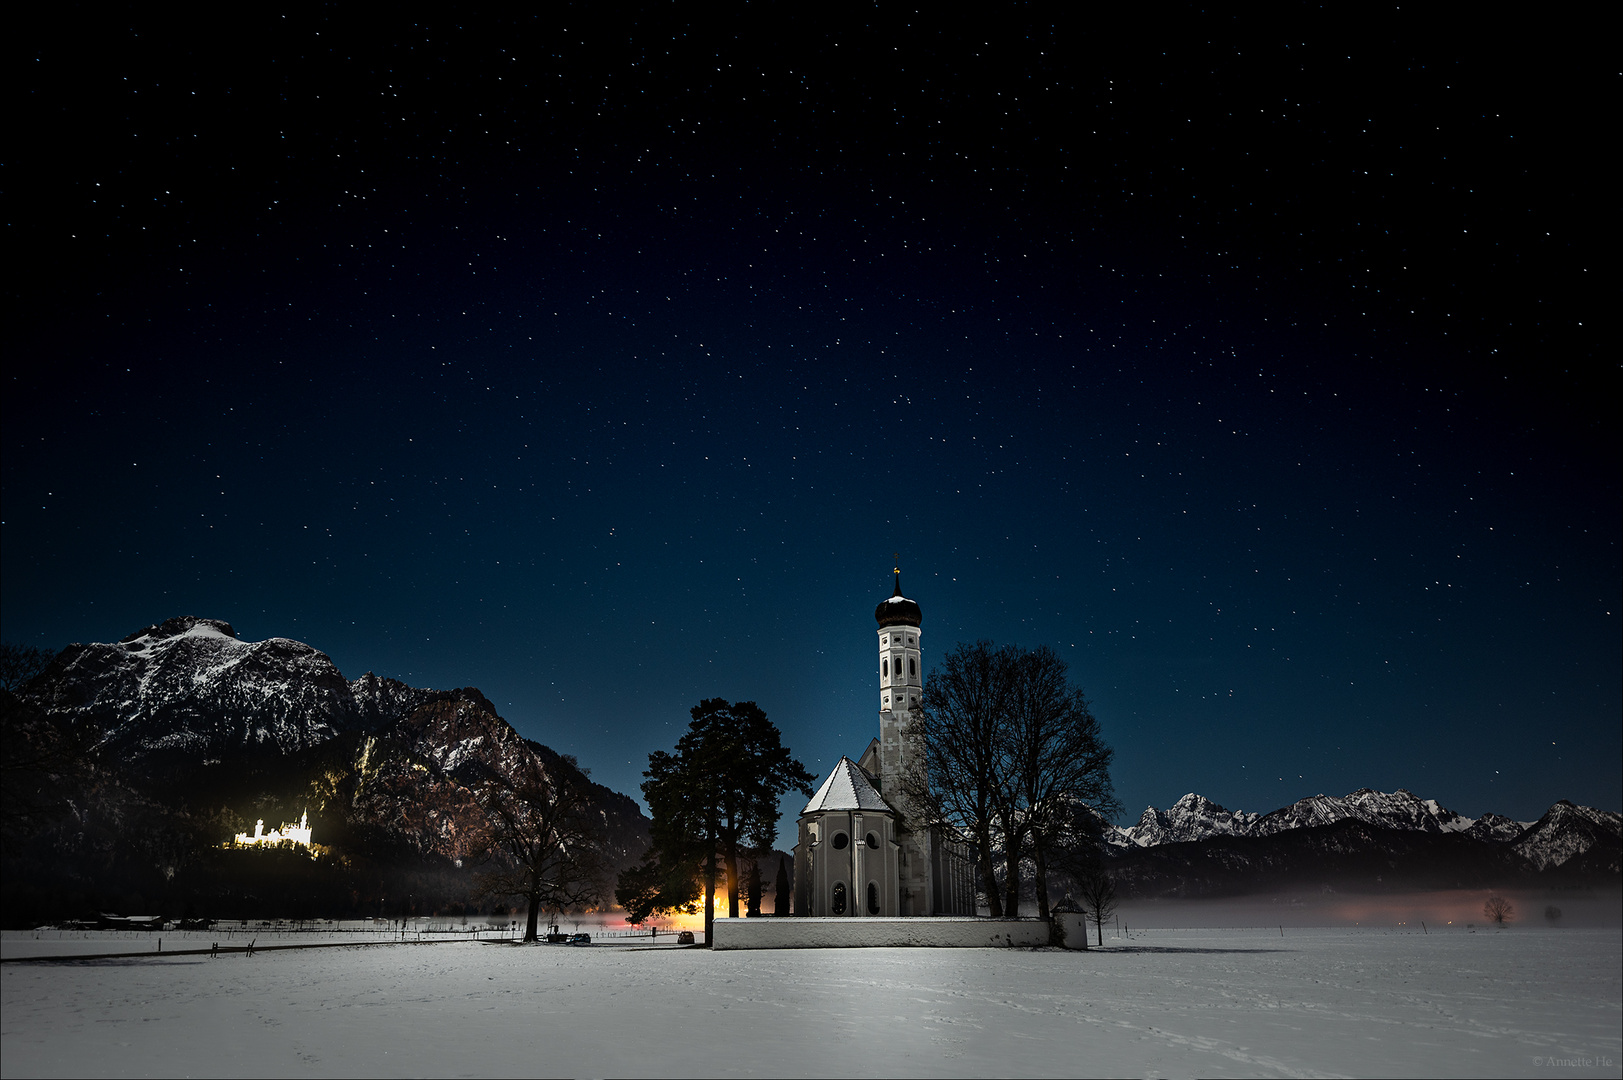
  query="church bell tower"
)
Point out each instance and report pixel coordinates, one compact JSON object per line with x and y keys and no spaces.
{"x":901,"y":685}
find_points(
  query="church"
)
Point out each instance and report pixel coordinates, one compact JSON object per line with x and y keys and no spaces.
{"x":865,"y":848}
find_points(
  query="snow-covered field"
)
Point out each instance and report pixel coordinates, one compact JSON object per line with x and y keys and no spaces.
{"x":1352,"y":1002}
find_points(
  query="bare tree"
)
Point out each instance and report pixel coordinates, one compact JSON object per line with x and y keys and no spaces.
{"x":547,"y":846}
{"x":1058,"y":762}
{"x":961,"y":726}
{"x":20,"y":663}
{"x":1498,"y":909}
{"x":1096,"y":894}
{"x":1012,"y":751}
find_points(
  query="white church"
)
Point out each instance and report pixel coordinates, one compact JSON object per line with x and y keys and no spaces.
{"x":864,"y":849}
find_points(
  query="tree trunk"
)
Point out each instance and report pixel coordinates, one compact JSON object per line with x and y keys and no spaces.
{"x":1101,"y":925}
{"x":709,"y":895}
{"x":1011,"y":859}
{"x":752,"y":895}
{"x":534,"y":898}
{"x":1041,"y":860}
{"x":994,"y":905}
{"x":732,"y":881}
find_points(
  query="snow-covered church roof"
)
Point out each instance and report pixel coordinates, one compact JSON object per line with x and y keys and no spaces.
{"x":846,"y":789}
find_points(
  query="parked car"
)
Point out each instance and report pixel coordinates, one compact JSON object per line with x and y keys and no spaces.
{"x":684,"y":937}
{"x":580,"y":939}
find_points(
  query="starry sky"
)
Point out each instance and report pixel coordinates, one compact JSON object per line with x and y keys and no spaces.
{"x":604,"y":360}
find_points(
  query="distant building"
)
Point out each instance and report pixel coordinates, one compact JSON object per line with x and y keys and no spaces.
{"x":865,"y":848}
{"x":299,"y":834}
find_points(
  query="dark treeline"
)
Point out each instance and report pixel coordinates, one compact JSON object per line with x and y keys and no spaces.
{"x":229,"y":885}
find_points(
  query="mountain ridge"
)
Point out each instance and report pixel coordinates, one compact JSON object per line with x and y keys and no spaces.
{"x":166,"y":743}
{"x":1580,"y":842}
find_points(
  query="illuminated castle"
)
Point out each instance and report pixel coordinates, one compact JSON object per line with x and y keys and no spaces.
{"x":299,"y":834}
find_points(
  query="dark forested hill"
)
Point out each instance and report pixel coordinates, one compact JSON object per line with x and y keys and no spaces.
{"x":128,"y":765}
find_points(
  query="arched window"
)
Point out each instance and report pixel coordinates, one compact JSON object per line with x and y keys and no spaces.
{"x":836,"y":903}
{"x":912,"y":666}
{"x":840,"y":840}
{"x":873,"y":841}
{"x":873,"y":898}
{"x":884,"y":666}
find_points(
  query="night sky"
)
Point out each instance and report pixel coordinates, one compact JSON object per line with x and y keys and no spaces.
{"x":603,"y":361}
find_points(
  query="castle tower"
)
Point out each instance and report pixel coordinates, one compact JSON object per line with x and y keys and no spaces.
{"x":901,"y":685}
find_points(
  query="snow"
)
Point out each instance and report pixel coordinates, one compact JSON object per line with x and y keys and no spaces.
{"x":1317,"y":1002}
{"x":846,"y":789}
{"x":1447,"y":819}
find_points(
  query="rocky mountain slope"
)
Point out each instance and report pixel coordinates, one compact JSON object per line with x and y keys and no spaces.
{"x":192,"y":685}
{"x":1195,"y":818}
{"x":150,"y":752}
{"x":1367,"y":840}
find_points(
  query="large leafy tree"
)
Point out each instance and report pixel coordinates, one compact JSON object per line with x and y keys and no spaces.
{"x":668,"y":881}
{"x":713,"y":801}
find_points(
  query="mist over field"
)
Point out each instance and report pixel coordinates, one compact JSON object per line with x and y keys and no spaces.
{"x":1586,"y":909}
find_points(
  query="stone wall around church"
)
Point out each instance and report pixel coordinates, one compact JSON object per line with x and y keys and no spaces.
{"x":878,"y":933}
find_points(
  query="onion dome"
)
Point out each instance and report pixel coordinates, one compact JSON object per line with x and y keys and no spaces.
{"x":898,"y":610}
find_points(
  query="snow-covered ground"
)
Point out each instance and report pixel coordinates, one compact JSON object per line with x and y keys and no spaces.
{"x":1362,"y":1001}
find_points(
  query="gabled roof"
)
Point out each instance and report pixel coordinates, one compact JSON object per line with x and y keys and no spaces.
{"x":869,"y":761}
{"x":846,"y":789}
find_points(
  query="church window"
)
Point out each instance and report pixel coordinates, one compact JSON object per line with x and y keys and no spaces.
{"x":884,"y":666}
{"x":840,"y":840}
{"x":837,"y":901}
{"x":873,"y":898}
{"x":912,"y":666}
{"x":873,"y":841}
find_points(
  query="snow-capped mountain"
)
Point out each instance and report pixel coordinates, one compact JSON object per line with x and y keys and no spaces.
{"x":1196,"y":818}
{"x":1496,"y":827}
{"x":210,"y":732}
{"x":190,"y":684}
{"x":1562,"y":835}
{"x":1398,"y":810}
{"x":1192,"y":817}
{"x":1568,"y":836}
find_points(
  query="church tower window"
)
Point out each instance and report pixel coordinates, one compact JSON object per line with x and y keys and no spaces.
{"x":840,"y":840}
{"x":912,"y":667}
{"x":837,"y":901}
{"x":873,"y":898}
{"x":884,"y":666}
{"x":873,"y":841}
